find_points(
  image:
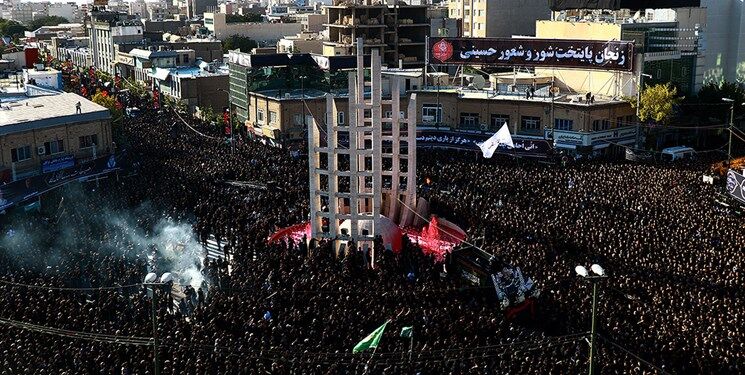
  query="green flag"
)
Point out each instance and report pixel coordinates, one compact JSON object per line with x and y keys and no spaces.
{"x":407,"y":332}
{"x":372,"y":340}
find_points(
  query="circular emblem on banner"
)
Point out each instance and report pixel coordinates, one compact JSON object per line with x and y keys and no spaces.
{"x":442,"y":50}
{"x":731,"y":182}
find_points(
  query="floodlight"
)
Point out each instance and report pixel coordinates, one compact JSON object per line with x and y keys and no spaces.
{"x":597,"y":270}
{"x":150,"y":278}
{"x":581,"y":270}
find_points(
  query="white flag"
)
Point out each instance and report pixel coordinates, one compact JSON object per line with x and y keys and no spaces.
{"x":502,"y":137}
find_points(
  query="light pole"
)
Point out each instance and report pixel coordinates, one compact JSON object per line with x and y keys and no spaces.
{"x":599,"y":274}
{"x":152,"y":284}
{"x":639,"y":104}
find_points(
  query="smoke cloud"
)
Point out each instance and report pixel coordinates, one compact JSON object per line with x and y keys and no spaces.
{"x":90,"y":222}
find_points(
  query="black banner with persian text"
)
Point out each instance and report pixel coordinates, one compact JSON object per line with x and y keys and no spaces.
{"x":578,"y":54}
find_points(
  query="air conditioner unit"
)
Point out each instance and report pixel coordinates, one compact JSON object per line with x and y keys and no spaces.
{"x":41,"y":150}
{"x":428,"y":118}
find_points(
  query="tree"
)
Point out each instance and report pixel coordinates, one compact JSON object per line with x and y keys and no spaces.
{"x":658,"y":103}
{"x":46,"y":21}
{"x":11,"y":28}
{"x":248,"y":17}
{"x":109,"y":102}
{"x":242,"y":43}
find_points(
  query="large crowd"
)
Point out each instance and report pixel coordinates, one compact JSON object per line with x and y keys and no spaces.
{"x":673,"y":297}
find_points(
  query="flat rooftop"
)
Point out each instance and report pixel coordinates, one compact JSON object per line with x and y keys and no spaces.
{"x":47,"y":111}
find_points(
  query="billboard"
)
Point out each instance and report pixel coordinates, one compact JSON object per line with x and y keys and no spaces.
{"x":510,"y":52}
{"x":736,"y":185}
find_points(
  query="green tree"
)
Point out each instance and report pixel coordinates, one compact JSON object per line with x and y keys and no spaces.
{"x":658,"y":103}
{"x":109,"y":102}
{"x":242,"y":43}
{"x":46,"y":21}
{"x":11,"y":28}
{"x":248,"y":17}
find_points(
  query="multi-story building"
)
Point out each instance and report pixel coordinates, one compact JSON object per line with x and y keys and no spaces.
{"x":106,"y":30}
{"x":666,"y":48}
{"x":724,"y":41}
{"x":498,"y":18}
{"x":69,"y":11}
{"x":20,"y":12}
{"x":42,"y":134}
{"x":138,"y":8}
{"x":161,"y":10}
{"x":179,"y":74}
{"x":195,"y":8}
{"x":399,"y":32}
{"x":280,"y":112}
{"x":300,"y":43}
{"x":262,"y":32}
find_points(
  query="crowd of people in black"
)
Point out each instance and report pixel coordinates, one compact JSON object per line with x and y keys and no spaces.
{"x":673,"y":297}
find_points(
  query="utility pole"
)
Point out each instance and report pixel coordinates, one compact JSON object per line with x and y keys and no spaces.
{"x":639,"y":104}
{"x":729,"y":128}
{"x":599,"y":274}
{"x":154,"y":313}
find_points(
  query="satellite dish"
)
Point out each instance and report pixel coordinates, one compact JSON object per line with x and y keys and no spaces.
{"x":478,"y":82}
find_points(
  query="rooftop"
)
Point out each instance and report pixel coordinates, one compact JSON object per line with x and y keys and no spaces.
{"x":48,"y":111}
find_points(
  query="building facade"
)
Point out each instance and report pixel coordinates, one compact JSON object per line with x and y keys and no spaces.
{"x":43,"y":129}
{"x":398,"y":32}
{"x":724,"y":41}
{"x":106,"y":30}
{"x":667,"y":50}
{"x":261,"y":32}
{"x":498,"y":18}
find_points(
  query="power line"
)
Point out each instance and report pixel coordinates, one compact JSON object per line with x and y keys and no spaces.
{"x":640,"y":359}
{"x":81,"y":289}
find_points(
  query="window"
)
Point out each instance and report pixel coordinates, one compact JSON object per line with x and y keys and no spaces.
{"x":467,"y":12}
{"x":260,"y":116}
{"x":401,"y":117}
{"x":530,"y":123}
{"x":563,"y":124}
{"x":432,"y":113}
{"x":619,"y":121}
{"x":20,"y":154}
{"x":340,"y":118}
{"x":272,"y":117}
{"x":54,"y":147}
{"x":469,"y":119}
{"x":186,"y":58}
{"x":497,"y":120}
{"x":88,"y":140}
{"x":600,"y":125}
